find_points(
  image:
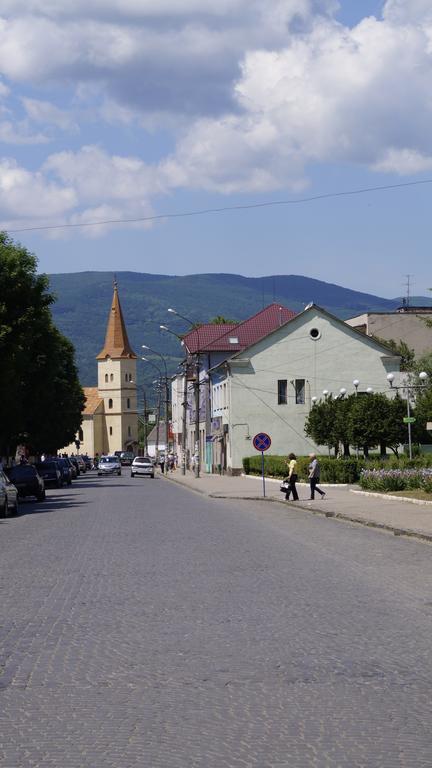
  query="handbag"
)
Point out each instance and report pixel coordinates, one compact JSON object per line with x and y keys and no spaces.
{"x":285,"y":485}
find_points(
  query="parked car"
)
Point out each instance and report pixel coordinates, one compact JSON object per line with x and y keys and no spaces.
{"x":4,"y":508}
{"x":81,"y":463}
{"x":109,"y":465}
{"x":66,"y":471}
{"x":87,"y":461}
{"x":11,"y":495}
{"x":73,"y":467}
{"x":27,"y":480}
{"x":142,"y":465}
{"x":75,"y":462}
{"x":50,"y":473}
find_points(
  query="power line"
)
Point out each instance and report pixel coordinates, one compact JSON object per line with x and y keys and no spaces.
{"x":227,"y":208}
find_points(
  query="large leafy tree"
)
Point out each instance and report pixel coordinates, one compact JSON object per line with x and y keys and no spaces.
{"x":40,"y":395}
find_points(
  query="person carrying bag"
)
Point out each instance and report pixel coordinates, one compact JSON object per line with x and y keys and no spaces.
{"x":292,"y":477}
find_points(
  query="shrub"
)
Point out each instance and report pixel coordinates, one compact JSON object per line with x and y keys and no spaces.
{"x":386,"y":480}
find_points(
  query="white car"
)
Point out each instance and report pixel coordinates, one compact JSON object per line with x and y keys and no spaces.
{"x":142,"y":465}
{"x":109,"y":465}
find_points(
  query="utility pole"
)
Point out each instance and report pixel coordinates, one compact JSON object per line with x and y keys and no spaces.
{"x":145,"y":423}
{"x":197,"y":418}
{"x":184,"y":425}
{"x":158,"y":422}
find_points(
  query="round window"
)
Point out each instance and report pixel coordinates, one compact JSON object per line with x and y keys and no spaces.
{"x":314,"y":333}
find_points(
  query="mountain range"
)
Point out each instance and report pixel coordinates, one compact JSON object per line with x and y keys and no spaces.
{"x":83,"y":303}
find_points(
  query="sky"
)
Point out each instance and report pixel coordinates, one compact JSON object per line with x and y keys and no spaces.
{"x":116,"y":110}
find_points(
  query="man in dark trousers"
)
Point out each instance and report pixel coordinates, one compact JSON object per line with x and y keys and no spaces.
{"x":314,"y":476}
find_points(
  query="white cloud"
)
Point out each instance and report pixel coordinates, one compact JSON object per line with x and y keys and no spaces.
{"x":47,"y":113}
{"x":19,"y":134}
{"x":252,"y":99}
{"x":26,"y":194}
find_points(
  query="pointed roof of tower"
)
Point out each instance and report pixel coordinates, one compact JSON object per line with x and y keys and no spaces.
{"x":116,"y":339}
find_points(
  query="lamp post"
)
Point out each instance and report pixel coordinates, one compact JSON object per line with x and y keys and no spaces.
{"x":197,"y":465}
{"x":407,"y":388}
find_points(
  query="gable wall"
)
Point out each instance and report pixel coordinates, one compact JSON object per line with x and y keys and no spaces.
{"x":331,"y":362}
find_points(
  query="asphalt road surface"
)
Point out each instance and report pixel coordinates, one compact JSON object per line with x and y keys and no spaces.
{"x":144,"y":625}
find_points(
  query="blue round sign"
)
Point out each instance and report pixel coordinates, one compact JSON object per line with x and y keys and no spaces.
{"x":261,"y":441}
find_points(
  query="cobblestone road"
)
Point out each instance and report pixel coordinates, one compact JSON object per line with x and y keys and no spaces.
{"x":143,"y":625}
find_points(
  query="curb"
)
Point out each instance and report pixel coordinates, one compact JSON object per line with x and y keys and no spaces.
{"x":408,"y":532}
{"x":420,"y":502}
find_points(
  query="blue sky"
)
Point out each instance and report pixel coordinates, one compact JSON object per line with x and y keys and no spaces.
{"x":124,"y":109}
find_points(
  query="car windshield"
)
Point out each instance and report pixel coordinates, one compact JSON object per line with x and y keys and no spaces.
{"x":142,"y":460}
{"x":109,"y":459}
{"x":43,"y":466}
{"x":21,"y":471}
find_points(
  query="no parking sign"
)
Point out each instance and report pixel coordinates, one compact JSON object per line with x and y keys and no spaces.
{"x":262,"y":442}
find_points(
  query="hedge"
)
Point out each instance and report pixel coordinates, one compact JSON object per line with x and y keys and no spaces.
{"x":333,"y":470}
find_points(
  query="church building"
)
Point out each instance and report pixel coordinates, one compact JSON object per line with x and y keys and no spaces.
{"x":110,"y":416}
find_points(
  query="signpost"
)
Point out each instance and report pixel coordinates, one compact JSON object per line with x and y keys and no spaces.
{"x":409,"y":420}
{"x":262,"y":442}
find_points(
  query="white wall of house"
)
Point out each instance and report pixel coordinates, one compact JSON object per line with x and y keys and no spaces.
{"x":398,"y":326}
{"x":311,"y":353}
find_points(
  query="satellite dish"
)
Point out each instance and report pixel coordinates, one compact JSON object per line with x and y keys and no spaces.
{"x":308,"y":306}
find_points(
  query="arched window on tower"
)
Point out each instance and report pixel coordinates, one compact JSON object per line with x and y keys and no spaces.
{"x":128,"y":402}
{"x":129,"y":431}
{"x":110,"y":431}
{"x":80,"y":435}
{"x":112,"y":377}
{"x":110,"y":403}
{"x":126,"y":377}
{"x":106,"y":377}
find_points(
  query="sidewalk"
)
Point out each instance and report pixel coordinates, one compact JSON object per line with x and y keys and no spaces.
{"x":401,"y":517}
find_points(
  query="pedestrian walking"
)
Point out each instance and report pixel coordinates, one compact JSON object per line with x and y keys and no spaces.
{"x":314,"y":476}
{"x":162,"y":463}
{"x":292,"y":477}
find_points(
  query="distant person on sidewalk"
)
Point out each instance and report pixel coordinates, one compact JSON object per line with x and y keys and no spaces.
{"x":314,"y":476}
{"x":292,"y":477}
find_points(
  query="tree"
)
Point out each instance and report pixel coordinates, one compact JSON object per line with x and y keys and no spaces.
{"x":39,"y":382}
{"x":401,"y":348}
{"x":221,"y":320}
{"x":326,"y":423}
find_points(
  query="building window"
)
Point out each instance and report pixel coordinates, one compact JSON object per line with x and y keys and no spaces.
{"x":80,"y":435}
{"x":299,"y":391}
{"x":112,"y":377}
{"x":110,"y":403}
{"x":282,"y":392}
{"x":106,"y":377}
{"x":126,"y":377}
{"x":314,"y":333}
{"x":129,"y":431}
{"x":110,"y":431}
{"x":130,"y":377}
{"x":128,"y":402}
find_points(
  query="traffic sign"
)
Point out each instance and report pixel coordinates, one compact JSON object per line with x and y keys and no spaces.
{"x":261,"y":441}
{"x":409,"y":420}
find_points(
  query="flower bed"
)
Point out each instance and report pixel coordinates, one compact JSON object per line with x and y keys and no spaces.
{"x":386,"y":480}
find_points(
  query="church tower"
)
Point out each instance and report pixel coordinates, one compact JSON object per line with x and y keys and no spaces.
{"x":117,"y":383}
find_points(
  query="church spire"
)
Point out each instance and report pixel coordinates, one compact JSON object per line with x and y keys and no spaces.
{"x":116,"y":340}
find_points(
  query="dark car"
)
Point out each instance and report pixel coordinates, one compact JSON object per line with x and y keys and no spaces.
{"x":72,"y":466}
{"x":81,"y":463}
{"x":74,"y":461}
{"x":50,"y":472}
{"x":126,"y":458}
{"x":3,"y":499}
{"x":27,"y":480}
{"x":11,"y":508}
{"x":87,"y":461}
{"x":66,"y":471}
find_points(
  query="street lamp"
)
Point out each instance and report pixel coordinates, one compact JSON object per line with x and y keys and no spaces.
{"x":408,"y":387}
{"x":369,"y":391}
{"x":342,"y":391}
{"x":356,"y":383}
{"x":325,"y":392}
{"x":314,"y":399}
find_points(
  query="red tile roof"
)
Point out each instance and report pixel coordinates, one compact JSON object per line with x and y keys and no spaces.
{"x":216,"y":338}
